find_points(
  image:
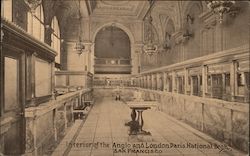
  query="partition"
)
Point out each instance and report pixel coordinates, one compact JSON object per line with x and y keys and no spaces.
{"x":66,"y":81}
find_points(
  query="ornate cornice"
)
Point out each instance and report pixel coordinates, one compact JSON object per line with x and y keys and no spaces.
{"x":19,"y":32}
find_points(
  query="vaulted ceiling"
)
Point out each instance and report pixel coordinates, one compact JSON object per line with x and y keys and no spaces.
{"x":127,"y":10}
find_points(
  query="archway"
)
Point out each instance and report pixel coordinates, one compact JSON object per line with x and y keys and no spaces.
{"x":112,"y":51}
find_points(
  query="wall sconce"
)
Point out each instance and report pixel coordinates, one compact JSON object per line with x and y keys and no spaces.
{"x":149,"y":47}
{"x":188,"y":33}
{"x":167,"y":43}
{"x":79,"y":46}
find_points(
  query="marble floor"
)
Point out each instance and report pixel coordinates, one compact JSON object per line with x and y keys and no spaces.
{"x":103,"y":133}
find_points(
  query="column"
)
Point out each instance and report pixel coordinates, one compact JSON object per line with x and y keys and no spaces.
{"x":154,"y":77}
{"x":72,"y":109}
{"x":177,"y":83}
{"x":199,"y":88}
{"x":152,"y":81}
{"x":223,"y":84}
{"x":148,"y":79}
{"x":32,"y":77}
{"x":54,"y":124}
{"x":191,"y":86}
{"x":211,"y":77}
{"x":233,"y":79}
{"x":65,"y":116}
{"x":92,"y":59}
{"x":164,"y":81}
{"x":173,"y":82}
{"x":185,"y":80}
{"x":35,"y":136}
{"x":204,"y":80}
{"x":53,"y":81}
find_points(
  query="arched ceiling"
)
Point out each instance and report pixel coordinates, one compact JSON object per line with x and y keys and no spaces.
{"x":127,"y":10}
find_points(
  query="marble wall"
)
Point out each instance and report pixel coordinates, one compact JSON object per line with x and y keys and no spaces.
{"x":224,"y":121}
{"x":47,"y":123}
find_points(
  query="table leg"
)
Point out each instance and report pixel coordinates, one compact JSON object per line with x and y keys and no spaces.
{"x":133,"y":114}
{"x":140,"y":120}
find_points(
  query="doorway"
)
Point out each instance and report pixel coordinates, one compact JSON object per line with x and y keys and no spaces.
{"x":12,"y":104}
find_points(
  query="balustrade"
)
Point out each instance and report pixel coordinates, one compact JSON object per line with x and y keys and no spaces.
{"x":47,"y":123}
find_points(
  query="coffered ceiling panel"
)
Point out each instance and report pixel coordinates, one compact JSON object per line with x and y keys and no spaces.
{"x":125,"y":8}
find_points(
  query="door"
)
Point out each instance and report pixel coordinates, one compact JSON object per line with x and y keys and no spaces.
{"x":13,"y":101}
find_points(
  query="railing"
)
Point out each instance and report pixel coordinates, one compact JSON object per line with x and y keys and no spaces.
{"x":112,"y":66}
{"x":112,"y":61}
{"x":225,"y":121}
{"x":47,"y":123}
{"x":67,"y":81}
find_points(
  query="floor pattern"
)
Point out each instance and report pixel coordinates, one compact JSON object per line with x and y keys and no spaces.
{"x":104,"y":134}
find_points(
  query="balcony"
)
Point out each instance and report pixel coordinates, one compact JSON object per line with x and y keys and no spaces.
{"x":112,"y":66}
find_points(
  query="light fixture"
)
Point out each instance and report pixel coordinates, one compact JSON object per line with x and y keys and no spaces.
{"x":149,"y":47}
{"x":111,"y":35}
{"x":221,"y":7}
{"x":79,"y":47}
{"x":167,"y":44}
{"x":188,"y":32}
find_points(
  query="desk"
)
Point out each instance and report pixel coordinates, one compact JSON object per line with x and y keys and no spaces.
{"x":136,"y":115}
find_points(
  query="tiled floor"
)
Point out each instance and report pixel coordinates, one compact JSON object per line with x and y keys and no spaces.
{"x":104,"y":134}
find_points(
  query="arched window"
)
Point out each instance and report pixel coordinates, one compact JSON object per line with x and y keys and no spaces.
{"x":55,"y":38}
{"x":6,"y":9}
{"x":36,"y":23}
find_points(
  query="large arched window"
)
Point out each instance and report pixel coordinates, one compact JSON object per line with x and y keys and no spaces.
{"x":55,"y":38}
{"x":36,"y":23}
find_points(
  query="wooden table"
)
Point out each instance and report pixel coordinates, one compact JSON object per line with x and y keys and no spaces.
{"x":136,"y":115}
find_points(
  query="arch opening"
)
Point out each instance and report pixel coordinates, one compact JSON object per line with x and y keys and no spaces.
{"x":112,"y":51}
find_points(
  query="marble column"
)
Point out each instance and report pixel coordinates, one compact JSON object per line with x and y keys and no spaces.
{"x":173,"y":82}
{"x":204,"y":81}
{"x":185,"y":80}
{"x":233,"y":79}
{"x":164,"y":81}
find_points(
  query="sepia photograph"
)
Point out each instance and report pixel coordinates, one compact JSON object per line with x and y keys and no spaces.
{"x":124,"y":78}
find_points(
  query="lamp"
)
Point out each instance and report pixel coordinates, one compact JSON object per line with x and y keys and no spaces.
{"x":188,"y":33}
{"x":79,"y":47}
{"x":150,"y":48}
{"x":167,"y":44}
{"x":221,"y":7}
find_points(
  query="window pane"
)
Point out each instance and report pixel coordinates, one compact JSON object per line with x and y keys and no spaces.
{"x":10,"y":83}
